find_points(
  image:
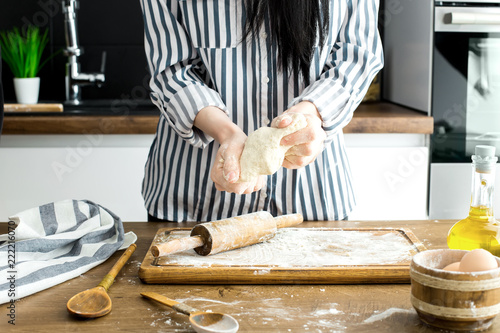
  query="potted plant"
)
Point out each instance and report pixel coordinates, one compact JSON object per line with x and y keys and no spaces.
{"x":22,"y":52}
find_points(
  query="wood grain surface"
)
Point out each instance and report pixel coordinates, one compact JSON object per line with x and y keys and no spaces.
{"x":368,"y":118}
{"x":41,"y":107}
{"x":294,"y":255}
{"x":258,"y":308}
{"x":35,"y":124}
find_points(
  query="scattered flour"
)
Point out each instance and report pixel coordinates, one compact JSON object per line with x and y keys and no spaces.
{"x":327,"y":312}
{"x":183,"y":300}
{"x":262,"y":271}
{"x":136,"y":263}
{"x":386,"y":314}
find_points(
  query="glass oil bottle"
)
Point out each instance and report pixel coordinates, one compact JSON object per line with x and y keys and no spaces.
{"x":479,"y":229}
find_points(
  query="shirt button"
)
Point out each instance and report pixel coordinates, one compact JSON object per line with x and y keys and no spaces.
{"x":265,"y":120}
{"x":263,"y":35}
{"x":265,"y":79}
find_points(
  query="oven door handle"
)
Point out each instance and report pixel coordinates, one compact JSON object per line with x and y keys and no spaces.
{"x":472,"y":18}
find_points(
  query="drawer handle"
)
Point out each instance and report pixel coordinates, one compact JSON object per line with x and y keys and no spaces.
{"x":471,"y":18}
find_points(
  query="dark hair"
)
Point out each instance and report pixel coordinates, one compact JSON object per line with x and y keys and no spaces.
{"x":295,"y":26}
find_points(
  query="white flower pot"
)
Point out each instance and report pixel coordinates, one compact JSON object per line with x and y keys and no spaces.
{"x":27,"y":90}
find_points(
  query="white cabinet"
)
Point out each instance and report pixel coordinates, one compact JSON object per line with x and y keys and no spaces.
{"x":390,"y":175}
{"x":106,"y":169}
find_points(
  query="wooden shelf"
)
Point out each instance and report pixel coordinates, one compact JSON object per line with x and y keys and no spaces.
{"x":389,"y":118}
{"x":368,"y":118}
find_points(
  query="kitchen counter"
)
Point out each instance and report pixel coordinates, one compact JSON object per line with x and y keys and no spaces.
{"x":368,"y":118}
{"x":258,"y":308}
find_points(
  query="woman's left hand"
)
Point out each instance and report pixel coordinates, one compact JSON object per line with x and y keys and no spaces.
{"x":306,"y":143}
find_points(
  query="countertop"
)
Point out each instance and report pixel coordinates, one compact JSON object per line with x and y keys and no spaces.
{"x":258,"y":308}
{"x":368,"y":118}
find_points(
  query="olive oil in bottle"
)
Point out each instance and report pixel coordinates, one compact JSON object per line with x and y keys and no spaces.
{"x":479,"y":229}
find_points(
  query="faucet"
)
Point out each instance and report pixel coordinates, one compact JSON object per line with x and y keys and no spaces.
{"x":75,"y":79}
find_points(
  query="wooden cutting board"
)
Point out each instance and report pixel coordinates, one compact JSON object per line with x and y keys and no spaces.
{"x":41,"y":107}
{"x":292,"y":256}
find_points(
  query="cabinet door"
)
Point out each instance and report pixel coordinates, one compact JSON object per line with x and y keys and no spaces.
{"x":109,"y":176}
{"x":390,"y":183}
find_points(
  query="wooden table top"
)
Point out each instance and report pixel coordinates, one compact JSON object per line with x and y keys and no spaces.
{"x":258,"y":308}
{"x":368,"y":118}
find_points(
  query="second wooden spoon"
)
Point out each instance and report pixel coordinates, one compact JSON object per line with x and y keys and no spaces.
{"x":202,"y":322}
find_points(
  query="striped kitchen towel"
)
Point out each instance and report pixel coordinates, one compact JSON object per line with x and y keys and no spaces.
{"x":54,"y":243}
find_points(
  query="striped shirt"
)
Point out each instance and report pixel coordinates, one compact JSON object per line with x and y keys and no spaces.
{"x":197,"y":59}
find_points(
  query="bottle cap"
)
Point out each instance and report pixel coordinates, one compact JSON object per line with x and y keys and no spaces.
{"x":485,"y":151}
{"x":484,"y":158}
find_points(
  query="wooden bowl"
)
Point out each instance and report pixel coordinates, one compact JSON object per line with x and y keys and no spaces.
{"x":455,"y":301}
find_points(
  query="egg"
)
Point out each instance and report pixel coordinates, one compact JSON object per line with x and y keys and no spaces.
{"x":453,"y":267}
{"x":478,"y":260}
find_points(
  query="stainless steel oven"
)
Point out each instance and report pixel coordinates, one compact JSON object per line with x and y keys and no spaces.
{"x":465,"y":100}
{"x":459,"y":87}
{"x":465,"y":80}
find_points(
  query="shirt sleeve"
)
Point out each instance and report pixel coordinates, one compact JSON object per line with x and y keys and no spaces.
{"x":178,"y":76}
{"x":353,"y":62}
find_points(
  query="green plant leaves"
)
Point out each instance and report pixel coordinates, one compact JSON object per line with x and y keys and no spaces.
{"x":22,"y":51}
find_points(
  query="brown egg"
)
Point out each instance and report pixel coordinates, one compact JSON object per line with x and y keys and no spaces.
{"x":453,"y":267}
{"x":478,"y":260}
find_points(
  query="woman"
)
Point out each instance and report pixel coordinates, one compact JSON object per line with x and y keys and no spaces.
{"x":223,"y":68}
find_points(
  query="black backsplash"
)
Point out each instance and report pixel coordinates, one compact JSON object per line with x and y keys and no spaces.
{"x":114,"y":26}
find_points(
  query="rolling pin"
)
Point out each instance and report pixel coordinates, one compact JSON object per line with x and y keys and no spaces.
{"x":228,"y":234}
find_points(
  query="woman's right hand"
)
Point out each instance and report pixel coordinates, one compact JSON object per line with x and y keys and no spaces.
{"x":226,"y":169}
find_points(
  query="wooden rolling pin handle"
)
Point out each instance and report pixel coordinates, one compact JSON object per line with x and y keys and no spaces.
{"x":176,"y":245}
{"x":289,"y":220}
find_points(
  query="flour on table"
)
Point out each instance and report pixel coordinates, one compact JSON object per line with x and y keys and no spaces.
{"x":311,"y":247}
{"x":263,"y":154}
{"x":386,"y":314}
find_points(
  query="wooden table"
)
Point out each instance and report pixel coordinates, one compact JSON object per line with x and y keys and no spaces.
{"x":258,"y":308}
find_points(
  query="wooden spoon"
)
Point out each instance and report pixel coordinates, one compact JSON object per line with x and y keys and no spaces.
{"x":95,"y":302}
{"x":202,"y":322}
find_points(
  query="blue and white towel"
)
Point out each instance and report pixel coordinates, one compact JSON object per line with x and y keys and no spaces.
{"x":54,"y":243}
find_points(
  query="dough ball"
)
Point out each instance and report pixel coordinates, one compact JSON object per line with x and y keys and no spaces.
{"x":263,"y":154}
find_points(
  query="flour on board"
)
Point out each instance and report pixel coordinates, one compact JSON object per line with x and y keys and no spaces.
{"x":311,"y":247}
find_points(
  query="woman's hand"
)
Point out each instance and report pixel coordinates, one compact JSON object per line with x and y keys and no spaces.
{"x":306,"y":143}
{"x":226,"y":168}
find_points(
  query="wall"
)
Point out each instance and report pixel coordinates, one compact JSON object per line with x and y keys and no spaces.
{"x":113,"y":26}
